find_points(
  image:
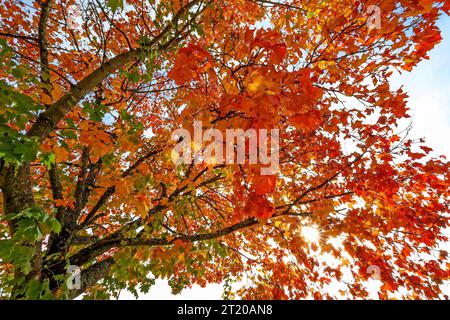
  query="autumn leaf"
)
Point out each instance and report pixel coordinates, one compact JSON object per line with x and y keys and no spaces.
{"x":259,"y":206}
{"x":307,"y":121}
{"x":190,"y":62}
{"x":264,"y":184}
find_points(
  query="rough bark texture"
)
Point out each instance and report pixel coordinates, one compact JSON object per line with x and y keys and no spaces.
{"x":91,"y":276}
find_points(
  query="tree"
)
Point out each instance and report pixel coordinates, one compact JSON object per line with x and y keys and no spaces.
{"x":91,"y":92}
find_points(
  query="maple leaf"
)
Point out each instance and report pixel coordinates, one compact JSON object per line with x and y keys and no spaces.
{"x":278,"y":54}
{"x":259,"y":206}
{"x":307,"y":121}
{"x":264,"y":184}
{"x":189,"y":63}
{"x":446,"y":7}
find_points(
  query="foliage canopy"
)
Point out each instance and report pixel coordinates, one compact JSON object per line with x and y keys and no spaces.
{"x":88,"y":103}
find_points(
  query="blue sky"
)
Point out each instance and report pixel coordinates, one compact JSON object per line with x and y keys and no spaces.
{"x":428,"y":86}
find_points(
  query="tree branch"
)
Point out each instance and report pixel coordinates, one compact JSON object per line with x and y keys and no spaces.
{"x":43,"y":47}
{"x":91,"y":276}
{"x":47,"y":120}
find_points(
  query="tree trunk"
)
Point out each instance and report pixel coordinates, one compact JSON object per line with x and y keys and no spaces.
{"x":18,"y":196}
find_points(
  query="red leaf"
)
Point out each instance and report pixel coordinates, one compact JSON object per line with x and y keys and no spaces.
{"x":264,"y":184}
{"x":259,"y":206}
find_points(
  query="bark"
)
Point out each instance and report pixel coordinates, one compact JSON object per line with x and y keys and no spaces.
{"x":17,"y":191}
{"x":47,"y":121}
{"x":18,"y":196}
{"x":91,"y":276}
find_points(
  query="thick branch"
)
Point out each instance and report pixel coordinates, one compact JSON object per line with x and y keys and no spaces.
{"x":91,"y":276}
{"x":111,"y":190}
{"x":42,"y":40}
{"x":47,"y":121}
{"x":55,"y":184}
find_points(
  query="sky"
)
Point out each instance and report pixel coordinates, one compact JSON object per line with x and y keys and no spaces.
{"x":428,"y":86}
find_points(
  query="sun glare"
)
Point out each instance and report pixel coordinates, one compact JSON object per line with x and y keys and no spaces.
{"x":311,"y":234}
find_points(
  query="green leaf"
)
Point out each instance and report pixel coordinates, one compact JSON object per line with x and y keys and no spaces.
{"x":5,"y":249}
{"x":133,"y":77}
{"x":21,"y":257}
{"x":38,"y":290}
{"x":48,"y":159}
{"x":34,"y":290}
{"x":54,"y":225}
{"x":19,"y":72}
{"x":115,"y":4}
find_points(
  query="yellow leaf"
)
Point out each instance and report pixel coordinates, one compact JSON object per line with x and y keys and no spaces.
{"x":322,"y":65}
{"x":256,"y":84}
